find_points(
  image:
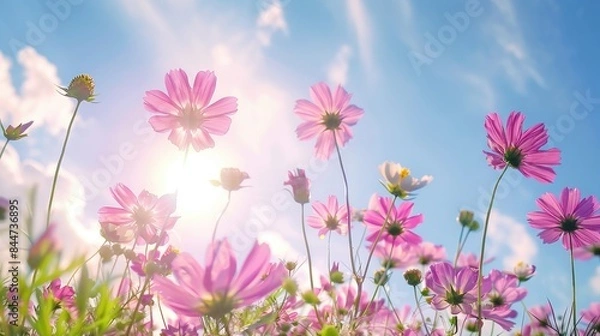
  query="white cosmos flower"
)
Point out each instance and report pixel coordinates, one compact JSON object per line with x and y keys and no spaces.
{"x":398,"y":180}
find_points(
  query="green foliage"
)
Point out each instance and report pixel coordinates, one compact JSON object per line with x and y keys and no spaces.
{"x":329,"y":330}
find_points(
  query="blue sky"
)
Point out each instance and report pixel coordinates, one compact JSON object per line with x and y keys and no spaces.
{"x":538,"y":57}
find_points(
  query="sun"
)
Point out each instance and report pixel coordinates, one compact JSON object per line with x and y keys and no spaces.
{"x":197,"y":199}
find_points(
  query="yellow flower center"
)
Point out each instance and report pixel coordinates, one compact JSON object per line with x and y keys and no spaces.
{"x":216,"y":306}
{"x":404,"y":172}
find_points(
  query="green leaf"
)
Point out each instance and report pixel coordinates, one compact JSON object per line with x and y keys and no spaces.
{"x":329,"y":330}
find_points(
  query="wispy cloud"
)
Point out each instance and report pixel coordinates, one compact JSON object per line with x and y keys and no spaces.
{"x":337,"y":73}
{"x":595,"y":281}
{"x":359,"y":18}
{"x":271,"y":20}
{"x":484,"y":85}
{"x":38,"y":99}
{"x":77,"y":234}
{"x":237,"y":55}
{"x":407,"y":30}
{"x":508,"y":234}
{"x":513,"y":55}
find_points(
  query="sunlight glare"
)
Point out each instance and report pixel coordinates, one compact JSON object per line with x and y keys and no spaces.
{"x":198,"y":201}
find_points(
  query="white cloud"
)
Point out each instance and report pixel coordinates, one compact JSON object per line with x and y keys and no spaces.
{"x":507,"y":234}
{"x":513,"y":57}
{"x":487,"y":96}
{"x":280,"y":247}
{"x":337,"y":73}
{"x":271,"y":20}
{"x":595,"y":281}
{"x":359,"y":18}
{"x":38,"y":99}
{"x":407,"y":31}
{"x":76,"y":233}
{"x":265,"y":105}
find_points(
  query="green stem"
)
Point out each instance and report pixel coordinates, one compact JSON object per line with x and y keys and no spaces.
{"x":482,"y":253}
{"x":62,"y":155}
{"x":310,"y":273}
{"x":372,"y":250}
{"x":85,"y":262}
{"x":458,"y":248}
{"x":4,"y":147}
{"x":137,"y":306}
{"x":214,"y":234}
{"x":378,"y":284}
{"x":387,"y":295}
{"x":418,"y":303}
{"x":573,"y":286}
{"x":329,"y":252}
{"x":362,"y":239}
{"x":347,"y":196}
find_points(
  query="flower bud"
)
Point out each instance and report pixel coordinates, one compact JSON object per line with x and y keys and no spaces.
{"x":381,"y":277}
{"x":310,"y":298}
{"x":474,"y":226}
{"x":465,"y":217}
{"x":106,"y":253}
{"x":524,"y":271}
{"x":300,"y":186}
{"x":413,"y":277}
{"x":46,"y":246}
{"x":130,"y":254}
{"x":335,"y":276}
{"x":290,"y":286}
{"x":81,"y":88}
{"x":15,"y":133}
{"x":231,"y":179}
{"x":117,"y":249}
{"x":473,"y":325}
{"x":291,"y":265}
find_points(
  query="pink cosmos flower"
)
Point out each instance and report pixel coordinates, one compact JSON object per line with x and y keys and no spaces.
{"x":218,"y":288}
{"x":471,"y":260}
{"x":540,"y":321}
{"x":399,"y":224}
{"x":62,"y":297}
{"x":504,"y":292}
{"x":155,"y":263}
{"x":300,"y":185}
{"x":428,"y":253}
{"x":186,"y":112}
{"x":395,"y":255}
{"x":145,"y":216}
{"x":329,"y":217}
{"x":504,"y":317}
{"x":587,"y":252}
{"x":329,"y":115}
{"x":521,"y":150}
{"x":591,"y":316}
{"x":574,"y":219}
{"x":454,"y":287}
{"x":182,"y":326}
